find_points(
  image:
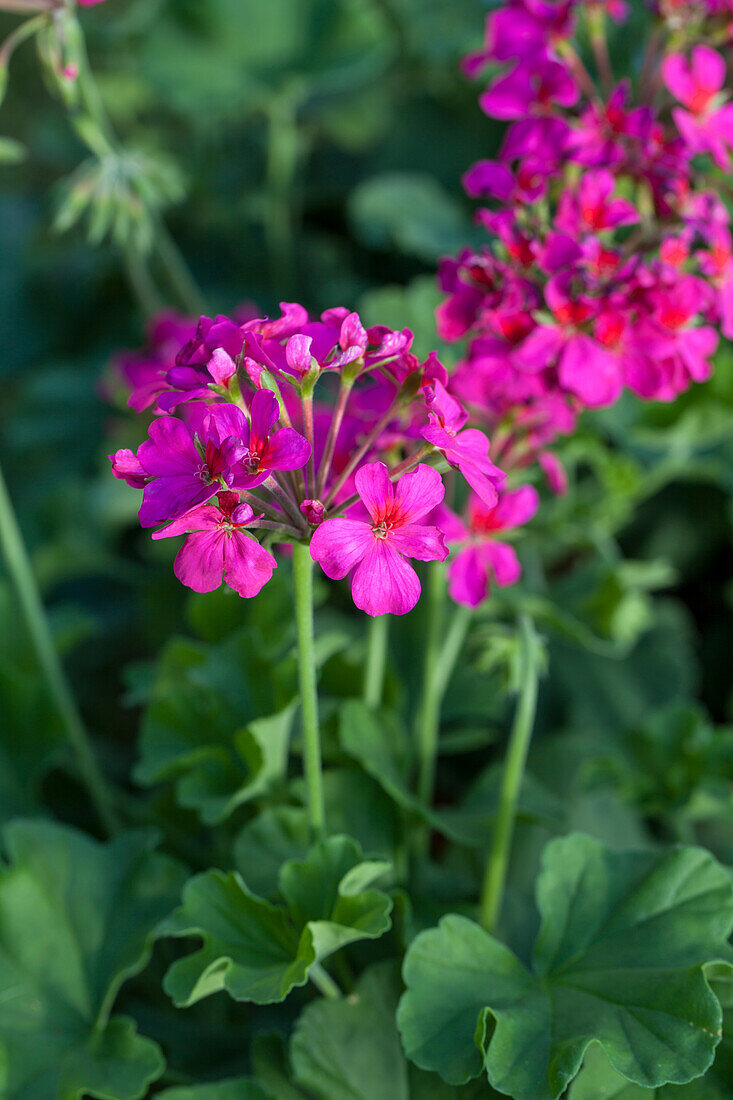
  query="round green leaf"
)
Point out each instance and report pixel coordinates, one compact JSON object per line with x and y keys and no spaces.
{"x":77,"y":918}
{"x":618,"y":960}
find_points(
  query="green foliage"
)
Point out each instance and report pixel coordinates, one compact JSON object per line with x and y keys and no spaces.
{"x":77,"y":920}
{"x":242,"y":1089}
{"x":353,"y":1049}
{"x":312,"y":150}
{"x":618,"y":961}
{"x":260,"y":952}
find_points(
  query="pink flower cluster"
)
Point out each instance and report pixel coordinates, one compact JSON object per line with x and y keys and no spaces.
{"x":610,"y":259}
{"x":299,"y":430}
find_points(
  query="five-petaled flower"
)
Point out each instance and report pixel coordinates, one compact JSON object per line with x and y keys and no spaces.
{"x":483,"y":557}
{"x":376,"y":549}
{"x":218,"y":547}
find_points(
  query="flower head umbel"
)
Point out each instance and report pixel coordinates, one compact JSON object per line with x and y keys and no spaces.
{"x":246,"y":434}
{"x":609,"y":265}
{"x":376,"y":549}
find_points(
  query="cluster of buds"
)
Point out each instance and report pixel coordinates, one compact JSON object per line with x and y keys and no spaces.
{"x":299,"y":430}
{"x":610,"y":263}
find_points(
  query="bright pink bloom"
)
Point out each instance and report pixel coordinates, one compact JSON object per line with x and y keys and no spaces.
{"x":467,"y":450}
{"x":217,"y":547}
{"x":383,"y":583}
{"x":483,"y":558}
{"x":592,"y":208}
{"x":529,"y":90}
{"x":263,"y":450}
{"x":707,"y":124}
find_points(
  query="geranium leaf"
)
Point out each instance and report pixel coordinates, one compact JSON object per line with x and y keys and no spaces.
{"x":242,"y":1089}
{"x":618,"y":960}
{"x":77,"y":918}
{"x":258,"y":951}
{"x":351,"y":1048}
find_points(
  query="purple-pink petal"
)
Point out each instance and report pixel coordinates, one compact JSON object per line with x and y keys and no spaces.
{"x":170,"y":450}
{"x":375,"y":489}
{"x":383,"y":582}
{"x":340,"y":544}
{"x":286,"y":449}
{"x":247,"y":565}
{"x":422,"y":542}
{"x":468,"y":577}
{"x":417,"y":493}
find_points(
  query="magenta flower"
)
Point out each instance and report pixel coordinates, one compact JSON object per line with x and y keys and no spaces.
{"x":707,"y":123}
{"x":218,"y":548}
{"x":585,"y":367}
{"x":483,"y":558}
{"x":383,"y":582}
{"x":467,"y":450}
{"x":181,"y":475}
{"x":263,"y":450}
{"x":592,"y":208}
{"x":528,"y":88}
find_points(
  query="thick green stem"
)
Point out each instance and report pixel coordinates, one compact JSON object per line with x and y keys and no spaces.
{"x":376,"y":660}
{"x":494,"y":885}
{"x":21,"y":574}
{"x":324,"y":982}
{"x":436,"y":685}
{"x":429,"y":727}
{"x":303,"y":584}
{"x":283,"y":150}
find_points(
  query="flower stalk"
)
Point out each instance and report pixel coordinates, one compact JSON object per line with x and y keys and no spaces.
{"x":376,"y":660}
{"x":494,"y":885}
{"x":26,"y":589}
{"x":303,"y":591}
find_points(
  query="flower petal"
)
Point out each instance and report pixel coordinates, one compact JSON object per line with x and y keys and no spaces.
{"x":468,"y":577}
{"x":247,"y":565}
{"x":264,"y":413}
{"x":169,"y":497}
{"x":420,"y":542}
{"x":225,"y":421}
{"x":169,"y":450}
{"x":375,"y":489}
{"x":339,"y":544}
{"x":417,"y":493}
{"x":516,"y":507}
{"x":383,"y":582}
{"x":286,"y":449}
{"x":199,"y":563}
{"x":205,"y":517}
{"x":504,"y":563}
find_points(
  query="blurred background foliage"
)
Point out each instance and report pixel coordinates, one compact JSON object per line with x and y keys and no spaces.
{"x":312,"y":150}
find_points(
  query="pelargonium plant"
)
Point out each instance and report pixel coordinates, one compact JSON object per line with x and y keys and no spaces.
{"x":286,"y":442}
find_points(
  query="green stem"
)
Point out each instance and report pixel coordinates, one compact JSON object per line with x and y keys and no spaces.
{"x":283,"y":147}
{"x":494,"y":884}
{"x":428,"y":730}
{"x":21,"y":573}
{"x":435,"y":690}
{"x":376,"y":660}
{"x":324,"y":982}
{"x":177,"y":272}
{"x":303,"y":585}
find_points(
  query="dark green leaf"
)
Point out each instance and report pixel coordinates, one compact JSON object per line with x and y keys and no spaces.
{"x":77,"y":918}
{"x":244,"y":1088}
{"x":618,"y":960}
{"x":258,"y":951}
